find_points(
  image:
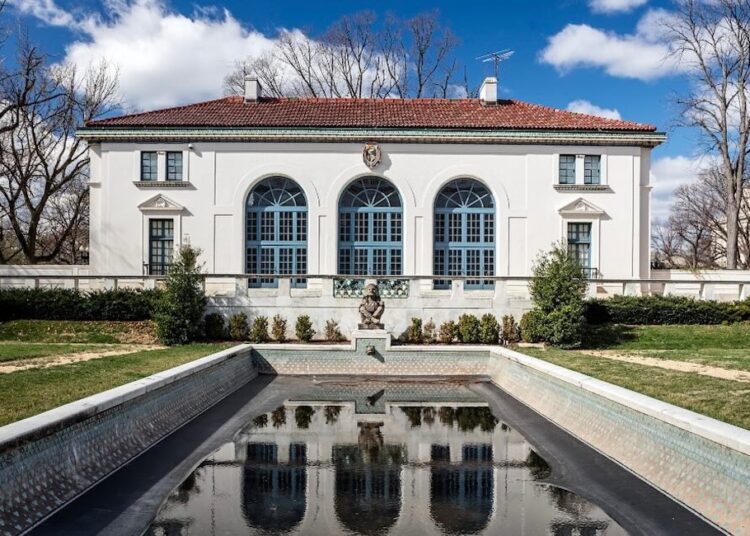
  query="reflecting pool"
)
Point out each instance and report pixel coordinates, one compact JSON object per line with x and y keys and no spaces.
{"x":377,"y":458}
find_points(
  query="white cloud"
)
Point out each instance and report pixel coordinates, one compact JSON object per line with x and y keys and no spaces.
{"x":669,"y":172}
{"x":164,"y":58}
{"x":585,"y":107}
{"x":642,"y":55}
{"x":45,"y":10}
{"x":614,"y":6}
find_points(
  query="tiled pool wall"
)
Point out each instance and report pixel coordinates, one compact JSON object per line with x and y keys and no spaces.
{"x":45,"y":465}
{"x":700,"y":462}
{"x":708,"y":476}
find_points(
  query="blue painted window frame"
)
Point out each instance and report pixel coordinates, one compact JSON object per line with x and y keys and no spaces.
{"x":160,"y":245}
{"x":464,"y":233}
{"x":174,"y":166}
{"x":276,"y":222}
{"x":579,"y":244}
{"x":567,"y":169}
{"x":592,"y":169}
{"x":371,"y":228}
{"x":149,"y":166}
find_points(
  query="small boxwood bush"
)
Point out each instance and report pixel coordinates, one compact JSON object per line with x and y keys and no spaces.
{"x":489,"y":329}
{"x":647,"y":310}
{"x":71,"y":304}
{"x":468,"y":329}
{"x":429,"y":332}
{"x":413,"y":333}
{"x":532,"y":326}
{"x":447,"y":332}
{"x":259,"y":330}
{"x":510,"y":330}
{"x":278,"y":328}
{"x":332,"y":331}
{"x":238,"y":328}
{"x":304,"y":328}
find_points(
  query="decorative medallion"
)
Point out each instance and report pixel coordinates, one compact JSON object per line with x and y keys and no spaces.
{"x":371,"y":155}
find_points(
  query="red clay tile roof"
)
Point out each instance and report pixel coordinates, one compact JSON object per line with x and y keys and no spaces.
{"x":370,"y":113}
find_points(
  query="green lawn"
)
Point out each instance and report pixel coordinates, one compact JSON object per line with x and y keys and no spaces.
{"x":12,"y":351}
{"x":59,"y":331}
{"x":28,"y":392}
{"x":719,"y":346}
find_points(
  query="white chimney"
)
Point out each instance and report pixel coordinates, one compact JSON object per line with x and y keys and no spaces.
{"x":252,"y":89}
{"x":488,"y":91}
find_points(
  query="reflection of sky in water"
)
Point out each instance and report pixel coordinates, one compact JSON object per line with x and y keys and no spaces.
{"x":369,"y":458}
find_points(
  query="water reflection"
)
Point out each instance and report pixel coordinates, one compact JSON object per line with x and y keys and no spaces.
{"x":366,"y":458}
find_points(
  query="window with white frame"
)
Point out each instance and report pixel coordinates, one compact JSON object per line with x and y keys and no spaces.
{"x":160,"y":245}
{"x":149,"y":168}
{"x":592,"y":169}
{"x":579,"y":244}
{"x":567,"y":172}
{"x":174,"y":166}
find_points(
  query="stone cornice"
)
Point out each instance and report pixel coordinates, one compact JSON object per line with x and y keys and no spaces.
{"x":345,"y":135}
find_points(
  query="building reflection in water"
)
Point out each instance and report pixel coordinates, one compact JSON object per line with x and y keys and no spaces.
{"x":415,"y":459}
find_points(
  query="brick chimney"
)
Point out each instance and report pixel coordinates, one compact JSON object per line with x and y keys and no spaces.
{"x":488,"y":91}
{"x":252,"y":89}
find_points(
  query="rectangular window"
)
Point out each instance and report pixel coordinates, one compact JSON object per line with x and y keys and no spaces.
{"x":473,"y":226}
{"x":379,"y":261}
{"x":301,"y":267}
{"x":395,"y":262}
{"x":567,"y":169}
{"x":395,"y":227}
{"x":439,"y":227}
{"x":592,"y":169}
{"x":174,"y":165}
{"x":345,"y":234}
{"x":454,"y":262}
{"x":579,"y":244}
{"x":380,"y":227}
{"x":360,"y":262}
{"x":267,"y":226}
{"x":286,"y":227}
{"x":301,"y":226}
{"x":361,"y":222}
{"x":252,"y":226}
{"x":148,"y":166}
{"x":345,"y":261}
{"x":454,"y":227}
{"x":161,"y":244}
{"x":489,"y":228}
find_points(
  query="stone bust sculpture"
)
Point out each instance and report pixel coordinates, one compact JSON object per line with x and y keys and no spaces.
{"x":371,"y":308}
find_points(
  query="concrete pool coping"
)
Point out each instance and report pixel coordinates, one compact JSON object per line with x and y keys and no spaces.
{"x":49,"y":421}
{"x":600,"y":414}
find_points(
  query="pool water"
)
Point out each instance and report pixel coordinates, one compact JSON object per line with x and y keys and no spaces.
{"x":372,"y":458}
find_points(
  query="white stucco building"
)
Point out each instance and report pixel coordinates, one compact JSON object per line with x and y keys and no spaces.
{"x":360,"y":187}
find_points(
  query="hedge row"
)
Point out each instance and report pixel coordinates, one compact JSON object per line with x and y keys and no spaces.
{"x":648,"y":310}
{"x":71,"y":304}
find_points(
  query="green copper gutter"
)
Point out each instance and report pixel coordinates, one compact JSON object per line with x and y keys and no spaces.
{"x":343,"y":135}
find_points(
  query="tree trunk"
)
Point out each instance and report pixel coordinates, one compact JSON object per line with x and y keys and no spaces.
{"x":732,"y":233}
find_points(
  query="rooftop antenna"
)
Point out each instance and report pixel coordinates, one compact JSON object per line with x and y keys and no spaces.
{"x":496,"y":57}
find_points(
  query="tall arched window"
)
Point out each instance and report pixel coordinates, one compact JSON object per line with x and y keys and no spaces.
{"x":464,"y":233}
{"x":276,"y":232}
{"x":370,"y":228}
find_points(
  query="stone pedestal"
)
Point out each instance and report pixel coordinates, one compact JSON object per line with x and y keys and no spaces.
{"x":371,"y":327}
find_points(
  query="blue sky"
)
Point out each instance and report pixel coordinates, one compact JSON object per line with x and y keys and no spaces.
{"x":604,"y":56}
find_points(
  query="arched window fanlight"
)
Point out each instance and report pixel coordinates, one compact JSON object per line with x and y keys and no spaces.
{"x":276,"y":232}
{"x":370,"y":228}
{"x":464,"y":232}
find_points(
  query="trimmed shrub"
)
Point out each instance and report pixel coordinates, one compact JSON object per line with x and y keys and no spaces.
{"x":510,"y":330}
{"x":303,"y":416}
{"x":448,"y":331}
{"x":468,"y":329}
{"x":215,"y":326}
{"x":635,"y":310}
{"x":70,"y":304}
{"x":278,"y":328}
{"x":259,"y":330}
{"x":238,"y":328}
{"x":179,"y":312}
{"x":332,"y":332}
{"x":414,"y":331}
{"x":489,"y":329}
{"x":564,"y":326}
{"x":558,"y":280}
{"x":429,"y":332}
{"x":533,"y":326}
{"x":304,"y":328}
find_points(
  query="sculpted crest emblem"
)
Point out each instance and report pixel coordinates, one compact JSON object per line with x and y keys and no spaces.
{"x":371,"y":155}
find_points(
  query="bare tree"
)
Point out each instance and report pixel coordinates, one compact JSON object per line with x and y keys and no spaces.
{"x":43,"y":166}
{"x":357,"y":58}
{"x":712,"y":40}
